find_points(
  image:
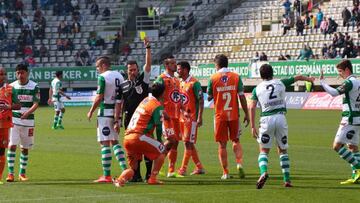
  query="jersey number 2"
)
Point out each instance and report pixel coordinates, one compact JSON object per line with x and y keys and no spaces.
{"x":227,"y":97}
{"x":271,"y":96}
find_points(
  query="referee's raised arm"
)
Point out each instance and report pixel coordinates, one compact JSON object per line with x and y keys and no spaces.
{"x":147,"y":66}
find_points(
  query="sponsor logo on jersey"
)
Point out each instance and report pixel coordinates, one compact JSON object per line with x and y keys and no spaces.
{"x":184,"y":99}
{"x":106,"y":131}
{"x":224,"y":78}
{"x":175,"y":96}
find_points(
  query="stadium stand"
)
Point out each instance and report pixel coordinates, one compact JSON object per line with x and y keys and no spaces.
{"x":56,"y":54}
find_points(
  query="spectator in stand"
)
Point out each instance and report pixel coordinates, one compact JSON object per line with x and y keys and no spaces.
{"x":75,"y":4}
{"x":34,"y":4}
{"x":60,"y":43}
{"x":263,"y":57}
{"x":312,"y":23}
{"x":58,"y":8}
{"x":282,"y":58}
{"x":197,"y":3}
{"x":19,"y":6}
{"x":63,"y":28}
{"x":126,"y":50}
{"x":287,"y":7}
{"x":26,"y":21}
{"x":306,"y":53}
{"x":332,"y":26}
{"x":183,"y":23}
{"x":11,"y":45}
{"x":37,"y":15}
{"x":106,"y":14}
{"x":324,"y":51}
{"x":67,"y":7}
{"x":75,"y":15}
{"x":18,"y":20}
{"x":324,"y":27}
{"x":92,"y":42}
{"x":348,"y":51}
{"x":150,"y":12}
{"x":116,"y":43}
{"x":335,"y":40}
{"x":69,"y":45}
{"x":297,"y":8}
{"x":30,"y":61}
{"x":27,"y":51}
{"x":100,"y":42}
{"x":43,"y":51}
{"x":36,"y":51}
{"x":176,"y":23}
{"x":286,"y":23}
{"x":163,"y":31}
{"x":76,"y":27}
{"x":3,"y":34}
{"x":190,"y":20}
{"x":88,"y":2}
{"x":256,"y":58}
{"x":346,"y":16}
{"x":319,"y":18}
{"x":82,"y":57}
{"x":307,"y":20}
{"x":5,"y":22}
{"x":94,"y":9}
{"x":299,"y":26}
{"x":44,"y":4}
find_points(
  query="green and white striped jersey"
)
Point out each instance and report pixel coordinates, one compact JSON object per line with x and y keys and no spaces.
{"x":271,"y":96}
{"x":56,"y":85}
{"x":109,"y":85}
{"x":350,"y":89}
{"x":28,"y":95}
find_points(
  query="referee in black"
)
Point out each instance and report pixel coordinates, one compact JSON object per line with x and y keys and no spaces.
{"x":134,"y":90}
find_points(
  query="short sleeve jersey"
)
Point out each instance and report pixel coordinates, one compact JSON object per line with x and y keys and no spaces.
{"x":109,"y":85}
{"x":350,"y":89}
{"x":146,"y":117}
{"x":56,"y":85}
{"x":271,"y":96}
{"x":224,"y":86}
{"x":191,"y":94}
{"x":27,"y":94}
{"x":8,"y":97}
{"x":172,"y":97}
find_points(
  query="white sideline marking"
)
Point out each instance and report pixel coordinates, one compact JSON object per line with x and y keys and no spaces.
{"x":120,"y":195}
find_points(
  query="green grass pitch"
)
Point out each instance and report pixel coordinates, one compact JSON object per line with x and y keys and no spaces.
{"x":63,"y":165}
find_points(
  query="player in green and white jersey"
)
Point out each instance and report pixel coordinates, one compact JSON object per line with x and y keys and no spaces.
{"x":346,"y":141}
{"x":108,"y":97}
{"x":55,"y":94}
{"x":22,"y":133}
{"x":270,"y":94}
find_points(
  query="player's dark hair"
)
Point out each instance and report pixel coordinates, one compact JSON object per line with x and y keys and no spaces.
{"x":266,"y":72}
{"x":132,"y":62}
{"x":184,"y":64}
{"x":104,"y":60}
{"x":221,"y":60}
{"x":345,"y":64}
{"x":58,"y":73}
{"x":23,"y":67}
{"x":167,"y":59}
{"x":157,"y":89}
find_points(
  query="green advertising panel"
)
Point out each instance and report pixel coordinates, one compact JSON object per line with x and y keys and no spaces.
{"x":69,"y":73}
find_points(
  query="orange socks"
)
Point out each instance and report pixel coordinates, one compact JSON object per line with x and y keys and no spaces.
{"x":196,"y":160}
{"x":172,"y":160}
{"x":2,"y":165}
{"x":237,"y":148}
{"x":185,"y":161}
{"x":223,"y":159}
{"x":157,"y":166}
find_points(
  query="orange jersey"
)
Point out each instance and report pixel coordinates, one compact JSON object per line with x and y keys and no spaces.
{"x":172,"y":97}
{"x":146,"y":117}
{"x":224,"y":86}
{"x":191,"y":93}
{"x":6,"y":98}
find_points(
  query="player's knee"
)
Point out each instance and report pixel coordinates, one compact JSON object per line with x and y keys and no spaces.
{"x":12,"y":148}
{"x":353,"y":148}
{"x":337,"y":146}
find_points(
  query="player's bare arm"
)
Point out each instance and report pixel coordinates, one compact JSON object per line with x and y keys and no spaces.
{"x":97,"y":101}
{"x":117,"y":115}
{"x":304,"y":78}
{"x":244,"y":106}
{"x":252,"y":119}
{"x":50,"y":96}
{"x":201,"y":110}
{"x":26,"y":114}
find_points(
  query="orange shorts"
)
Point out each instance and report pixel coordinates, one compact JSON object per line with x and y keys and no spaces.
{"x":4,"y":137}
{"x":138,"y":145}
{"x":171,"y":128}
{"x":188,"y":131}
{"x":227,"y":130}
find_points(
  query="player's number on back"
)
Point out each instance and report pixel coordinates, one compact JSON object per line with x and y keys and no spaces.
{"x":227,"y":97}
{"x":134,"y":120}
{"x":272,"y":88}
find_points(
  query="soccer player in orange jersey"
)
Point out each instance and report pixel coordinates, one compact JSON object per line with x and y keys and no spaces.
{"x":138,"y":140}
{"x":226,"y":88}
{"x":171,"y":124}
{"x":8,"y":102}
{"x":192,"y":106}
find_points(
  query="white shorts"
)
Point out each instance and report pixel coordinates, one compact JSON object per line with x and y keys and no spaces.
{"x":274,"y":126}
{"x":22,"y":135}
{"x":347,"y":134}
{"x":105,"y":129}
{"x":58,"y":105}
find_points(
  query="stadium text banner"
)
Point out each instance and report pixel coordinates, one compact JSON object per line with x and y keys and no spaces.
{"x":281,"y":68}
{"x":69,"y":73}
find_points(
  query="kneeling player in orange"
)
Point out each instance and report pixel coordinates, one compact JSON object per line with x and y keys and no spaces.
{"x":138,"y":140}
{"x":192,"y":106}
{"x":8,"y":102}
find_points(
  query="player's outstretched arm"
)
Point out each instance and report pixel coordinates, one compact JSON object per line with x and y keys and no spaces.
{"x":330,"y":90}
{"x":304,"y":78}
{"x":252,"y":110}
{"x":244,"y":106}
